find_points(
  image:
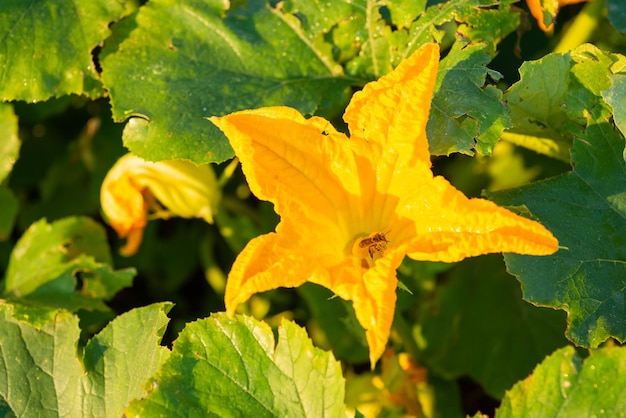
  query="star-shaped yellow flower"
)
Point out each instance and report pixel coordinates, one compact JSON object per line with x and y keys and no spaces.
{"x":352,"y":207}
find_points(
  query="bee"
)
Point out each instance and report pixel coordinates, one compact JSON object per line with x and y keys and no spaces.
{"x":375,"y":243}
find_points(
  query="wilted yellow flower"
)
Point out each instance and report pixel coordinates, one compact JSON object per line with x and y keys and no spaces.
{"x":545,"y":11}
{"x":135,"y":190}
{"x":352,"y":207}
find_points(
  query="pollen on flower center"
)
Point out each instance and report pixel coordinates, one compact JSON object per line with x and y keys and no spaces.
{"x":370,"y":248}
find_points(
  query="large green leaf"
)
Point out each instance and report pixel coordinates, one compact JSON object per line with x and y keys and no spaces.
{"x":231,"y":367}
{"x":586,"y":211}
{"x":535,"y":103}
{"x":479,"y":326}
{"x":465,"y":116}
{"x":45,"y":46}
{"x":176,"y":63}
{"x":565,"y":385}
{"x":42,"y":376}
{"x":386,"y":40}
{"x":553,"y":96}
{"x":49,"y":259}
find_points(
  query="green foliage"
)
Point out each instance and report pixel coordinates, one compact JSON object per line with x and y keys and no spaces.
{"x":565,"y":385}
{"x":43,"y":375}
{"x":181,"y":83}
{"x":46,"y":47}
{"x":466,"y":339}
{"x":231,"y":367}
{"x":585,"y":277}
{"x":465,"y":115}
{"x":49,"y":259}
{"x":107,"y":73}
{"x":617,"y":14}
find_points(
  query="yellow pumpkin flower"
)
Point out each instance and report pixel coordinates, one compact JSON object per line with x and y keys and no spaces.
{"x":545,"y":11}
{"x":135,"y":190}
{"x":352,"y":207}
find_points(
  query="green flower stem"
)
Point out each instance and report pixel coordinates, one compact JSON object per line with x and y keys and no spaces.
{"x":228,"y":172}
{"x":212,"y":272}
{"x":402,"y":328}
{"x":583,"y":26}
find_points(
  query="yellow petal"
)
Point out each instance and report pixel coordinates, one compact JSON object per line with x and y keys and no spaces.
{"x":543,"y":17}
{"x":545,"y":11}
{"x":133,"y":241}
{"x":264,"y":264}
{"x":303,"y":166}
{"x":373,"y":296}
{"x":122,"y":199}
{"x":442,"y":224}
{"x":393,"y":111}
{"x":185,"y":189}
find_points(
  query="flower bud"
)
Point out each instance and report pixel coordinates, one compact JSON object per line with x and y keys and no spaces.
{"x":135,"y":190}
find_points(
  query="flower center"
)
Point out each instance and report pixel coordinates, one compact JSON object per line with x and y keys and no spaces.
{"x":370,"y":248}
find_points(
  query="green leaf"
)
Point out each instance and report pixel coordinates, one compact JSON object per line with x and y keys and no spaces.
{"x":535,"y":105}
{"x":313,"y":19}
{"x":230,"y":367}
{"x":565,"y":385}
{"x":391,"y":33}
{"x":48,"y":260}
{"x":121,"y":358}
{"x":554,"y":97}
{"x":615,"y":97}
{"x":617,"y":14}
{"x":45,"y":47}
{"x":403,"y":12}
{"x":176,"y":63}
{"x":9,"y":141}
{"x":479,"y":326}
{"x":489,"y":25}
{"x":465,"y":116}
{"x":586,"y":211}
{"x":41,"y":375}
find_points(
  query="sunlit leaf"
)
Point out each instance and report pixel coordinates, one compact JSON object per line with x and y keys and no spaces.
{"x":565,"y":385}
{"x":175,"y":63}
{"x":586,"y":211}
{"x":554,"y":96}
{"x":49,"y":259}
{"x":231,"y":367}
{"x":41,"y":374}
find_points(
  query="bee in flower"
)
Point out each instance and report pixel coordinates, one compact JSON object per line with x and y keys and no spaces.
{"x":135,"y":190}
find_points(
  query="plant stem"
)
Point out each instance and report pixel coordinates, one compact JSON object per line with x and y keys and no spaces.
{"x":582,"y":27}
{"x":406,"y":335}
